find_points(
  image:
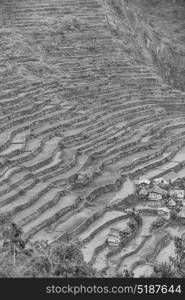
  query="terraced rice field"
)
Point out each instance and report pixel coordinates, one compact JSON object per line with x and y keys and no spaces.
{"x":83,"y":114}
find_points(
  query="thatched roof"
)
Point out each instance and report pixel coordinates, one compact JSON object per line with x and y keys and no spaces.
{"x":158,"y":190}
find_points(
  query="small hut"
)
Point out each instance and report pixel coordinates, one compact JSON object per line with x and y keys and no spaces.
{"x":172,"y":203}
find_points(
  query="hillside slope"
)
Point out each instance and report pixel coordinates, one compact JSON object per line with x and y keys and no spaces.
{"x":91,"y":98}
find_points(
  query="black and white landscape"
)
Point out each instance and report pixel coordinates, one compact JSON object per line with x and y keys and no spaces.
{"x":92,"y":138}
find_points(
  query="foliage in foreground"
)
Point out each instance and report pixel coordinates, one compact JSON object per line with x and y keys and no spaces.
{"x":41,"y":259}
{"x":175,"y":268}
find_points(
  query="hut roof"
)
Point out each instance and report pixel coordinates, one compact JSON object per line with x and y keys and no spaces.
{"x":143,"y":192}
{"x":144,"y":180}
{"x":172,"y":203}
{"x":114,"y":232}
{"x":158,"y":190}
{"x":177,"y":192}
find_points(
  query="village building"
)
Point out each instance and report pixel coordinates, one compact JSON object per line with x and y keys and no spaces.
{"x":144,"y":181}
{"x":114,"y":237}
{"x":113,"y":241}
{"x":156,"y":193}
{"x":143,"y":192}
{"x":129,"y":210}
{"x":167,"y":178}
{"x":172,"y":203}
{"x":181,"y":214}
{"x":163,"y":212}
{"x":160,"y":180}
{"x":179,"y":194}
{"x":116,"y":234}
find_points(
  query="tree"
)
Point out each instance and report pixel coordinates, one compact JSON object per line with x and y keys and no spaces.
{"x":40,"y":259}
{"x":176,"y":265}
{"x":71,"y":262}
{"x":125,"y":274}
{"x":163,"y":270}
{"x":178,"y":261}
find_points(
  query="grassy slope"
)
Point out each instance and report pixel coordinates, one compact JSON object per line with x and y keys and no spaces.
{"x":153,"y":33}
{"x":149,"y":32}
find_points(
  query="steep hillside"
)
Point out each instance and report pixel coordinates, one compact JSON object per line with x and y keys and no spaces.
{"x":91,"y":98}
{"x":152,"y":32}
{"x":166,"y":21}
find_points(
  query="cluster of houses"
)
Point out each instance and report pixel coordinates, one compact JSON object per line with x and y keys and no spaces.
{"x":166,"y":192}
{"x":163,"y":190}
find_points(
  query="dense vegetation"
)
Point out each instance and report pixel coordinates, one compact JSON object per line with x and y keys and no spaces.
{"x":39,"y":259}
